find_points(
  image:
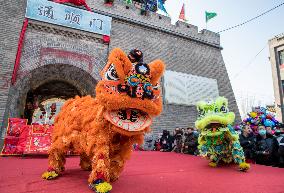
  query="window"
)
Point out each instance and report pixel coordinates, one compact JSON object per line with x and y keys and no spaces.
{"x":281,"y":57}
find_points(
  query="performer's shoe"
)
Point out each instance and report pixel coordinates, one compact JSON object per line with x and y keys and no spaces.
{"x":50,"y":174}
{"x":212,"y":164}
{"x":244,"y":166}
{"x":99,"y":186}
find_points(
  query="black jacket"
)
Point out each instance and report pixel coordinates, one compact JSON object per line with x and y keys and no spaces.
{"x":190,"y":143}
{"x":265,"y":150}
{"x":248,"y":145}
{"x":178,"y":140}
{"x":280,"y":145}
{"x":280,"y":150}
{"x":165,"y":142}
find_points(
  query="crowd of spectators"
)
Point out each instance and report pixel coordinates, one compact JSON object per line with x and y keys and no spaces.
{"x":181,"y":140}
{"x":263,"y":146}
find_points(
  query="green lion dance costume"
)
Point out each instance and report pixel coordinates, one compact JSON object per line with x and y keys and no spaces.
{"x":218,"y":141}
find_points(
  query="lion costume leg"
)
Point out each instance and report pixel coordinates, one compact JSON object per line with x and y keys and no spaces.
{"x":119,"y":155}
{"x":116,"y":167}
{"x":56,"y":159}
{"x":118,"y":160}
{"x":238,"y":156}
{"x":99,"y":177}
{"x":85,"y":162}
{"x":214,"y":160}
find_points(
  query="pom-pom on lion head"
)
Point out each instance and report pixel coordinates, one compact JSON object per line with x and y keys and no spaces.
{"x":130,"y":92}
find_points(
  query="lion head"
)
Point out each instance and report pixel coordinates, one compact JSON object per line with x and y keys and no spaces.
{"x":214,"y":117}
{"x":130,"y":91}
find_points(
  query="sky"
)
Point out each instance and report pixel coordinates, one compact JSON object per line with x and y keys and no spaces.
{"x":249,"y":71}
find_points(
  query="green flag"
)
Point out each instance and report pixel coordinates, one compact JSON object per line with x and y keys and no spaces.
{"x":209,"y":15}
{"x":128,"y":1}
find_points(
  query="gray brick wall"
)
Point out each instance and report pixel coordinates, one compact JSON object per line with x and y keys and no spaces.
{"x":180,"y":46}
{"x":12,"y":17}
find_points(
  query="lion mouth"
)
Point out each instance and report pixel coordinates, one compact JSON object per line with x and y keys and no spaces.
{"x":214,"y":127}
{"x":129,"y":119}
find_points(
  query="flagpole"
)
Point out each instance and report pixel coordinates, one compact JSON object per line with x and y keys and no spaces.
{"x":157,"y":6}
{"x":205,"y":20}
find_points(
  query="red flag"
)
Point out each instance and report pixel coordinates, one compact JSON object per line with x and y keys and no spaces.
{"x":106,"y":39}
{"x":75,"y":2}
{"x":182,"y":14}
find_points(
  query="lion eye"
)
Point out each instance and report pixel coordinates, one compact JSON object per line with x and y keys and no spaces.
{"x":111,"y":73}
{"x":223,"y":109}
{"x":201,"y":112}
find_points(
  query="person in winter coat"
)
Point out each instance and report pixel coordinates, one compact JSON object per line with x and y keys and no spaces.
{"x":148,"y":142}
{"x":264,"y":147}
{"x":247,"y":141}
{"x":165,"y":141}
{"x":190,"y":143}
{"x":178,"y":140}
{"x":280,"y":146}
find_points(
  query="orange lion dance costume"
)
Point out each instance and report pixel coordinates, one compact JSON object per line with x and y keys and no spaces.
{"x":103,"y":129}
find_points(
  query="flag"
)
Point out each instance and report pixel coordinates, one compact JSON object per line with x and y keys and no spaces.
{"x":75,"y":2}
{"x":128,"y":1}
{"x":182,"y":14}
{"x":209,"y":15}
{"x":161,"y":6}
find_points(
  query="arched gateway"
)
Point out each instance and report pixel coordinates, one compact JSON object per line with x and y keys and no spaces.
{"x":51,"y":81}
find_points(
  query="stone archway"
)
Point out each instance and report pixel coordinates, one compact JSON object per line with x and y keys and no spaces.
{"x":54,"y":90}
{"x":81,"y":82}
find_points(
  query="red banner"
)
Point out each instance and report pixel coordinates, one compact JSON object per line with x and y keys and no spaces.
{"x":75,"y":2}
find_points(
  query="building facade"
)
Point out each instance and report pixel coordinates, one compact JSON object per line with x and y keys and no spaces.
{"x":59,"y":61}
{"x":276,"y":49}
